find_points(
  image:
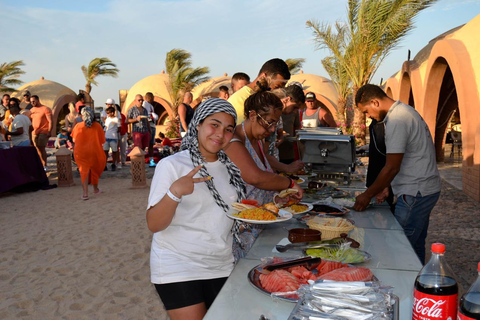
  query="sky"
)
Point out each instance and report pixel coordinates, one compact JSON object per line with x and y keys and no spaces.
{"x":55,"y":38}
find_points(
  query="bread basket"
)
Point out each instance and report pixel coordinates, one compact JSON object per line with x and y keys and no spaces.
{"x":330,"y":227}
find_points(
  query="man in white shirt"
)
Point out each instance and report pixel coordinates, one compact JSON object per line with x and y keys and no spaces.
{"x":20,"y":127}
{"x":111,"y":136}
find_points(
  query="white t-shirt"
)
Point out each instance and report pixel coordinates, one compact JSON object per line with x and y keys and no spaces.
{"x":20,"y":121}
{"x":111,"y":128}
{"x":197,"y":245}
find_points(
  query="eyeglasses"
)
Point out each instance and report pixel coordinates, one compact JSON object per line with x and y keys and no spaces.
{"x":267,"y":125}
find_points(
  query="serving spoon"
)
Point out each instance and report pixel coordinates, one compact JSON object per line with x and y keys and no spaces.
{"x":304,"y":245}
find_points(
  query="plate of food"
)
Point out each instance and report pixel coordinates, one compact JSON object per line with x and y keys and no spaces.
{"x":295,"y":178}
{"x":343,"y":254}
{"x":259,"y":215}
{"x":282,"y":279}
{"x":299,"y":208}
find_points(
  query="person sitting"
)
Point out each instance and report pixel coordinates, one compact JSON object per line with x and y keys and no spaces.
{"x":19,"y":131}
{"x":164,"y":141}
{"x":61,"y":139}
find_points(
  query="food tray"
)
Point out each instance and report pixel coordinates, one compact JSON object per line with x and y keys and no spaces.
{"x":395,"y":314}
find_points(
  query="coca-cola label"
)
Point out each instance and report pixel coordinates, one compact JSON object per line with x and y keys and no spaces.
{"x":461,"y":316}
{"x":427,"y":306}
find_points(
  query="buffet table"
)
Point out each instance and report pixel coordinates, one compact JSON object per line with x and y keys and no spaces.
{"x":393,"y":262}
{"x":21,"y":170}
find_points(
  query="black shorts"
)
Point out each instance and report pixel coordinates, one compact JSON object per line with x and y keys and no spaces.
{"x":183,"y":294}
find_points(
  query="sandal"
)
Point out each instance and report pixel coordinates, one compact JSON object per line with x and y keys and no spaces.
{"x":98,"y":192}
{"x":84,"y":197}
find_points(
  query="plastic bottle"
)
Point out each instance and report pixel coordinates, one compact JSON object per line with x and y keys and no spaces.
{"x":435,"y":295}
{"x":470,"y":303}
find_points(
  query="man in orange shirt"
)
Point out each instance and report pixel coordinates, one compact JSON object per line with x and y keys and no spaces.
{"x":42,"y":125}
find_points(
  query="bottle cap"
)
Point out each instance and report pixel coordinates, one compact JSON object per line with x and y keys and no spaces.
{"x":438,"y":248}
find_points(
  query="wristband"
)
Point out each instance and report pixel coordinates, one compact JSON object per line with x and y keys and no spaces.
{"x":292,"y":183}
{"x":173,"y":197}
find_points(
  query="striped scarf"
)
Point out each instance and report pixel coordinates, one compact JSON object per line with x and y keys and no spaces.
{"x":190,"y":142}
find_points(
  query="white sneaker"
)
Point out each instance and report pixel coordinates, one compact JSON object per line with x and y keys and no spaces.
{"x":119,"y":166}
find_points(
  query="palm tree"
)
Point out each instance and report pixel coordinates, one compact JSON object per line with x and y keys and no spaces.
{"x":343,"y":85}
{"x":9,"y":74}
{"x":295,"y":65}
{"x":182,"y":76}
{"x":98,"y":67}
{"x":374,"y":28}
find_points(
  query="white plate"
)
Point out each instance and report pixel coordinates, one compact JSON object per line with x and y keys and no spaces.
{"x":300,"y":180}
{"x":284,"y":216}
{"x":309,"y":205}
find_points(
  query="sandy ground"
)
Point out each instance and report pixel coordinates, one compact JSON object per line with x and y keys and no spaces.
{"x":64,"y":258}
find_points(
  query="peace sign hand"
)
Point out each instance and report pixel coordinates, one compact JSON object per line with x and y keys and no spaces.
{"x":184,"y":185}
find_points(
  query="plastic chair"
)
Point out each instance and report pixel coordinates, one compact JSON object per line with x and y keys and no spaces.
{"x":457,"y":141}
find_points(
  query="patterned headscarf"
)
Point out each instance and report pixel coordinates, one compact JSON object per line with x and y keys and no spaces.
{"x":190,"y":142}
{"x":88,"y":116}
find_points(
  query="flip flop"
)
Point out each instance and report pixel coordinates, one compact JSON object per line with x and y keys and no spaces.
{"x":99,"y":191}
{"x":84,"y":198}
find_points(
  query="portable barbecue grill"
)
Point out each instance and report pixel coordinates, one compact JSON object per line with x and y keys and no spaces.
{"x":329,"y":153}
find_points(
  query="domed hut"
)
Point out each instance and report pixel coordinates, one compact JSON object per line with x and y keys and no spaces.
{"x":52,"y":94}
{"x":442,"y":83}
{"x":158,"y":85}
{"x":210,"y":89}
{"x":323,"y":88}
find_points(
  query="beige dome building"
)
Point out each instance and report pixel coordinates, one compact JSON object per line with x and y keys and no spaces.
{"x":52,"y":94}
{"x":157,"y":84}
{"x":323,"y":88}
{"x":442,"y":83}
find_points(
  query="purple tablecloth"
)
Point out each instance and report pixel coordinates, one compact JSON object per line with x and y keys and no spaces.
{"x":21,"y":170}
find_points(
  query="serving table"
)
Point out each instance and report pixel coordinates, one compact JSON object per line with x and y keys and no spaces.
{"x":393,"y":262}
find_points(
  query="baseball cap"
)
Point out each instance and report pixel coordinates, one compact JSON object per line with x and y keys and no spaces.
{"x":310,"y":96}
{"x":110,"y":101}
{"x":26,"y":93}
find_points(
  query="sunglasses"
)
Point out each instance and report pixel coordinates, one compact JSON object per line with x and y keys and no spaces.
{"x":267,"y":125}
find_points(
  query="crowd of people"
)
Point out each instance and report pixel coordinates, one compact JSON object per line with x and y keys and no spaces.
{"x":232,"y":148}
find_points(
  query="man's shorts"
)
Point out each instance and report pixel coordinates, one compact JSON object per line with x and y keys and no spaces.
{"x":40,"y":140}
{"x":111,"y":144}
{"x":141,"y":140}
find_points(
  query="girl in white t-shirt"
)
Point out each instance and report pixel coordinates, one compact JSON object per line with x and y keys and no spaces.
{"x":191,"y":192}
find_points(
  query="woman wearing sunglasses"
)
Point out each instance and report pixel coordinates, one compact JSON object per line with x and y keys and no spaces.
{"x":262,"y":112}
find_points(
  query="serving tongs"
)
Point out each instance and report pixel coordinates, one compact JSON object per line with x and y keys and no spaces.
{"x":305,"y":245}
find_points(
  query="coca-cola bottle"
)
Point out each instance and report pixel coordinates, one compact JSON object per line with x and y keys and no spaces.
{"x":470,"y":303}
{"x":436,"y":291}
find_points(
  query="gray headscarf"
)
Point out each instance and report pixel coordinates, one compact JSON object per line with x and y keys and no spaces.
{"x":190,"y":142}
{"x":88,"y":116}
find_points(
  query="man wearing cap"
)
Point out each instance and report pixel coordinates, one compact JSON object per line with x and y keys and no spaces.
{"x":314,"y":115}
{"x":26,"y":100}
{"x":42,"y":126}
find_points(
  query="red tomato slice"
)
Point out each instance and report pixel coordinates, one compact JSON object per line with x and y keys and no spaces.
{"x":251,"y":202}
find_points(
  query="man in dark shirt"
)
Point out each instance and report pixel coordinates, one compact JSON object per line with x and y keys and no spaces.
{"x":26,"y":100}
{"x":185,"y":112}
{"x":138,"y":117}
